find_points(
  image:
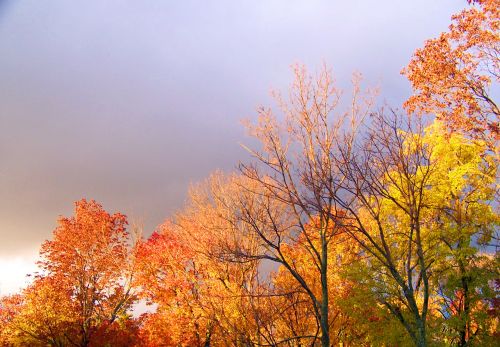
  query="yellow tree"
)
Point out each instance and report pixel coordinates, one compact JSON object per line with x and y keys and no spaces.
{"x":387,"y":169}
{"x":417,"y":200}
{"x":461,"y":193}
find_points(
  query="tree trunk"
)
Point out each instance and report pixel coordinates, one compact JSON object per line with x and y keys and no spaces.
{"x":325,"y":333}
{"x":464,"y":329}
{"x":421,"y":340}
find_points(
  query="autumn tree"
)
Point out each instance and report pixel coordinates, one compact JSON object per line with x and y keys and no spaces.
{"x":83,"y":293}
{"x":10,"y":306}
{"x":386,"y":170}
{"x":230,"y":291}
{"x":45,"y":316}
{"x":386,"y":182}
{"x":200,"y":299}
{"x":367,"y":176}
{"x":395,"y":171}
{"x":456,"y":75}
{"x":348,"y":321}
{"x":293,"y":178}
{"x":461,"y":193}
{"x":168,"y":279}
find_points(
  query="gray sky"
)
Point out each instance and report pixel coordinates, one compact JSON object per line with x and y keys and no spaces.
{"x":127,"y":102}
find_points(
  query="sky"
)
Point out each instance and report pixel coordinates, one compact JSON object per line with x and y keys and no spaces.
{"x":128,"y":102}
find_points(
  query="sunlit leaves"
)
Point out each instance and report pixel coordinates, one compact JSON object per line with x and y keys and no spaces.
{"x":455,"y":75}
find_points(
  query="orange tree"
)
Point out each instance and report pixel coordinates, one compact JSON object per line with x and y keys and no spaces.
{"x":83,"y":293}
{"x":200,"y":298}
{"x":455,"y":75}
{"x":168,"y":281}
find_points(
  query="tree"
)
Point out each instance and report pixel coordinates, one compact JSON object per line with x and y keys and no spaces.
{"x":45,"y":316}
{"x":387,"y":169}
{"x":85,"y":284}
{"x":452,"y":75}
{"x":294,"y":177}
{"x":296,"y":317}
{"x":366,"y":179}
{"x":169,"y":279}
{"x":405,"y":190}
{"x":201,"y":299}
{"x":10,"y":305}
{"x":229,"y":293}
{"x":461,"y":191}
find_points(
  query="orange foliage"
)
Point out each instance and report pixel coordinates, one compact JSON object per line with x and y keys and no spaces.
{"x":91,"y":247}
{"x":168,"y":278}
{"x":9,"y":307}
{"x":82,"y":296}
{"x":453,"y":73}
{"x":299,"y":317}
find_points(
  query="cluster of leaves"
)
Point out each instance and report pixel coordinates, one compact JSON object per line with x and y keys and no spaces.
{"x":452,"y":75}
{"x":352,"y":227}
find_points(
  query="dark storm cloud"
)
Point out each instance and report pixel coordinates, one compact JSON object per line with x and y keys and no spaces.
{"x":127,"y":102}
